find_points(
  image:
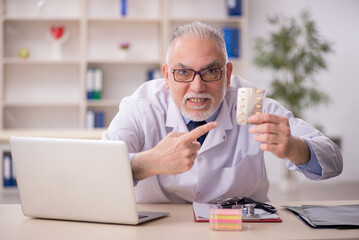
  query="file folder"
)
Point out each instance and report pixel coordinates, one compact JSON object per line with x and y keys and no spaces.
{"x":319,"y":216}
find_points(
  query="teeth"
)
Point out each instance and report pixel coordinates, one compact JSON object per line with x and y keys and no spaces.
{"x":197,"y":99}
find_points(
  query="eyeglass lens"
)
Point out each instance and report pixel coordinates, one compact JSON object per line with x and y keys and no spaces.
{"x":187,"y":75}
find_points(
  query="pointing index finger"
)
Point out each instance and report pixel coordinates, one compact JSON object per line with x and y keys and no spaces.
{"x":199,"y":131}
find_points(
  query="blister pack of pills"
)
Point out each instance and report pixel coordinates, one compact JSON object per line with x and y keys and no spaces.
{"x":249,"y":102}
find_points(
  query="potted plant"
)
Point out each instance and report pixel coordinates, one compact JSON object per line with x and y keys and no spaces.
{"x":295,"y":53}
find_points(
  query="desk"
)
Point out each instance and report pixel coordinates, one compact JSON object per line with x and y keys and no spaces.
{"x":179,"y":225}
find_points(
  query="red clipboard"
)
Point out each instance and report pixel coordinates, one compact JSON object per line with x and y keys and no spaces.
{"x":276,"y":219}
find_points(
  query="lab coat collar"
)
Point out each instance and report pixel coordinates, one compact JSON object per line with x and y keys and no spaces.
{"x":218,"y":135}
{"x":174,"y":118}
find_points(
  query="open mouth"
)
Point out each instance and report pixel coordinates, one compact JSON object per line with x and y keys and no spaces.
{"x":197,"y":106}
{"x":197,"y":100}
{"x":197,"y":103}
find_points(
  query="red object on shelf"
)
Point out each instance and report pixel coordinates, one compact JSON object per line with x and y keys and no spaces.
{"x":57,"y":32}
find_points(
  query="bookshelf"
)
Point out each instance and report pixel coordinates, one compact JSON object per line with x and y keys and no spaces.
{"x":45,"y":93}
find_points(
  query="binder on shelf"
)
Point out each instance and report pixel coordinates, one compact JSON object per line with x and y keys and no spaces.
{"x":6,"y":170}
{"x":154,"y":74}
{"x":90,"y":119}
{"x":232,"y":40}
{"x":99,"y":119}
{"x":13,"y":176}
{"x":95,"y":119}
{"x":89,"y":83}
{"x":123,"y":7}
{"x":98,"y":82}
{"x":234,"y":7}
{"x":94,"y":83}
{"x":9,"y":179}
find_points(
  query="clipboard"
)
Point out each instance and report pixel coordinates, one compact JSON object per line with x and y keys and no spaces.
{"x":332,"y":216}
{"x":201,"y":214}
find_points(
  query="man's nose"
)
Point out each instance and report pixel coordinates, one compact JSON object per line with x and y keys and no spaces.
{"x":197,"y":85}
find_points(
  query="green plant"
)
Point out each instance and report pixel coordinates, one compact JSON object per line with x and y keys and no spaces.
{"x":294,"y":51}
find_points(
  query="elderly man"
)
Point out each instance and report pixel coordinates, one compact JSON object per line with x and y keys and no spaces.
{"x":173,"y":163}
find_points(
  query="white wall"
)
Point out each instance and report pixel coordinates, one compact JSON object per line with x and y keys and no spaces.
{"x":337,"y":21}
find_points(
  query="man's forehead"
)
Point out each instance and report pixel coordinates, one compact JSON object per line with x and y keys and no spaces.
{"x":196,"y":52}
{"x":214,"y":63}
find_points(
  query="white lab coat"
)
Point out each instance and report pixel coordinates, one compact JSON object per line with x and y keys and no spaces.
{"x":229,"y":163}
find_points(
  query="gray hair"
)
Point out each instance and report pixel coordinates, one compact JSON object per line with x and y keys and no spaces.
{"x":200,"y":30}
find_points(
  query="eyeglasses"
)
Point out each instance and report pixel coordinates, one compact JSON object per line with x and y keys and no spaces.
{"x":188,"y":75}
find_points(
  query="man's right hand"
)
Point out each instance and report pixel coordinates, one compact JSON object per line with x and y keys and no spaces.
{"x":172,"y":155}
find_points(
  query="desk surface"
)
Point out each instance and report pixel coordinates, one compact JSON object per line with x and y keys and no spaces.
{"x":53,"y":133}
{"x":178,"y":225}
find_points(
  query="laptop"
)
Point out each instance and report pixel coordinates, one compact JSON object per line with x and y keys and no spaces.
{"x":73,"y":179}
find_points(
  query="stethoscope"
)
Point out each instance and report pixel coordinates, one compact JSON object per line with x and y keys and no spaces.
{"x":230,"y":202}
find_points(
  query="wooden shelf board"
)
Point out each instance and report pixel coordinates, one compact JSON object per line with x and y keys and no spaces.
{"x":40,"y":19}
{"x":41,"y":104}
{"x":209,"y":19}
{"x":39,"y":61}
{"x":124,"y":61}
{"x":53,"y":133}
{"x":124,"y":20}
{"x":103,"y":103}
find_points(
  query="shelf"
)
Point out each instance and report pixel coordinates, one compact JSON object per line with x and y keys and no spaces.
{"x":140,"y":36}
{"x":51,"y":83}
{"x":202,"y":9}
{"x":36,"y":37}
{"x":234,"y":20}
{"x":53,"y":9}
{"x":121,"y":80}
{"x":53,"y":133}
{"x":40,"y":19}
{"x":18,"y":61}
{"x":104,"y":103}
{"x":43,"y":117}
{"x":123,"y":61}
{"x":50,"y":91}
{"x":40,"y":104}
{"x":123,"y":20}
{"x":113,"y":9}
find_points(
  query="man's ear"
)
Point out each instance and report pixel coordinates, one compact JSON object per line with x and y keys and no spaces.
{"x":229,"y":73}
{"x":165,"y":74}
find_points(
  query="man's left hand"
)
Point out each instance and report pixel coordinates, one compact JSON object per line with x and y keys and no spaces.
{"x":274,"y":133}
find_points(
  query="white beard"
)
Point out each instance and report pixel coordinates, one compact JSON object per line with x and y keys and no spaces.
{"x":198,"y":116}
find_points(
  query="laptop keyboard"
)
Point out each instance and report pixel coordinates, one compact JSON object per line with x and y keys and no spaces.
{"x":142,"y":216}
